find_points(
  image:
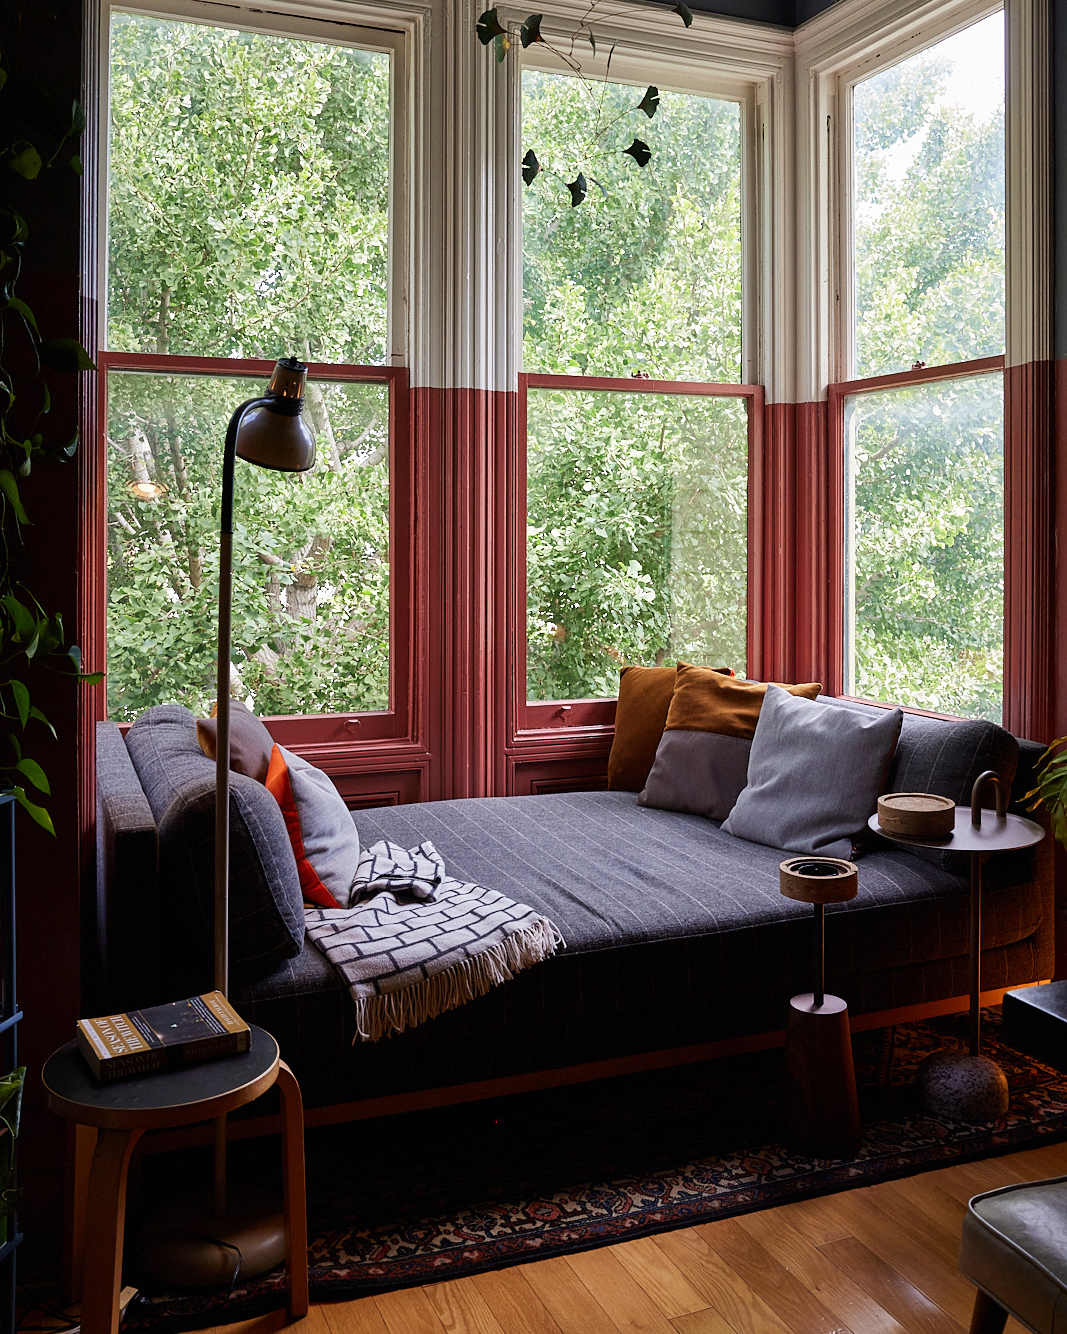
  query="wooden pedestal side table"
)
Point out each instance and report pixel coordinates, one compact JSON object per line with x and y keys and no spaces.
{"x":121,"y":1112}
{"x":824,"y":1115}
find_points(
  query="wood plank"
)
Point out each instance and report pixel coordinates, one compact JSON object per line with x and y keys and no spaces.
{"x":962,"y":1180}
{"x":726,"y":1291}
{"x":514,"y":1303}
{"x":1047,"y":1160}
{"x":461,"y":1308}
{"x":818,"y":1219}
{"x":618,"y":1292}
{"x":359,"y":1317}
{"x":839,"y":1293}
{"x":890,"y":1288}
{"x":783,"y":1292}
{"x":889,"y":1236}
{"x":569,"y":1302}
{"x":708,"y":1321}
{"x":659,"y":1276}
{"x":941,"y":1209}
{"x":408,"y":1312}
{"x":915,"y":1223}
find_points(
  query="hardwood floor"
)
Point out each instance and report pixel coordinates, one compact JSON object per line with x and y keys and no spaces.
{"x":876,"y":1260}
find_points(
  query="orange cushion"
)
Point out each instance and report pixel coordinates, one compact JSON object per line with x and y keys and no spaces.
{"x":644,"y":699}
{"x":706,"y":701}
{"x":280,"y":787}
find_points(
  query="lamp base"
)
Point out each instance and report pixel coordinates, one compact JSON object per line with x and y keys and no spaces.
{"x":962,"y":1087}
{"x":184,"y":1242}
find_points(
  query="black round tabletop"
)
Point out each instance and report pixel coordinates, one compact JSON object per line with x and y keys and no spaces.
{"x":994,"y":835}
{"x":164,"y":1097}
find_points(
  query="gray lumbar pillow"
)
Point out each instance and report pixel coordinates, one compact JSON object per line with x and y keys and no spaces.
{"x":702,"y":773}
{"x":814,"y":775}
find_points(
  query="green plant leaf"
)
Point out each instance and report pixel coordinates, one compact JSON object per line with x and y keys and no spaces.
{"x":11,"y":1098}
{"x":24,"y":619}
{"x":18,"y":305}
{"x":686,"y":13}
{"x":578,"y":189}
{"x":22,"y":701}
{"x":488,"y":27}
{"x":75,"y":655}
{"x":75,"y":164}
{"x":66,"y":354}
{"x":530,"y":167}
{"x":649,"y":104}
{"x":530,"y":31}
{"x":640,"y":152}
{"x":32,"y":770}
{"x":27,"y":163}
{"x":38,"y":716}
{"x":46,"y":398}
{"x":90,"y":678}
{"x":37,"y":813}
{"x":501,"y":45}
{"x":77,"y":114}
{"x":10,"y":488}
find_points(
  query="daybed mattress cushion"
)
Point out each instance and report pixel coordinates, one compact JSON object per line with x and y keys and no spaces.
{"x":660,"y":911}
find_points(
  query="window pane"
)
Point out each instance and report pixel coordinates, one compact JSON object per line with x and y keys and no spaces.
{"x":248,"y":194}
{"x":925,"y":577}
{"x":929,"y":205}
{"x":637,"y":536}
{"x":311,"y":552}
{"x":645,"y":275}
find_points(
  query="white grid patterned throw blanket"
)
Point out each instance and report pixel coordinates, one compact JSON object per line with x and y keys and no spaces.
{"x":414,"y":942}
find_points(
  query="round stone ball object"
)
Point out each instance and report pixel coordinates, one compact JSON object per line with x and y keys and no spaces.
{"x":963,"y":1088}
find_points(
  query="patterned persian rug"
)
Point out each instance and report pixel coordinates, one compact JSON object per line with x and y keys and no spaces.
{"x":439,"y":1194}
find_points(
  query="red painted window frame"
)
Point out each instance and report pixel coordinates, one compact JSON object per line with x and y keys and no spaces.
{"x":836,"y":395}
{"x":591,"y":718}
{"x":326,"y":729}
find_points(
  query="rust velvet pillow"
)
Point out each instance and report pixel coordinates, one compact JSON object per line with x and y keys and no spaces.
{"x":704,"y":700}
{"x":250,"y":742}
{"x":644,"y":699}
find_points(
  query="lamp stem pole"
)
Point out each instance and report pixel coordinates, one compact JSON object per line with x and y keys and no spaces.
{"x":222,"y":763}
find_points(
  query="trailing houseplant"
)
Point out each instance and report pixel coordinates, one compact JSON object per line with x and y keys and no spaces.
{"x":1050,"y":790}
{"x":38,"y":136}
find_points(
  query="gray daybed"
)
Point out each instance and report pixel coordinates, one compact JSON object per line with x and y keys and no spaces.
{"x":676,"y":932}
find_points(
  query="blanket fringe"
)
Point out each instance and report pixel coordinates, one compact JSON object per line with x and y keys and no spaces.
{"x":380,"y":1015}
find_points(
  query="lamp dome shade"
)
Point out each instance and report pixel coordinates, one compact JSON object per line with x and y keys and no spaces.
{"x":273,"y":435}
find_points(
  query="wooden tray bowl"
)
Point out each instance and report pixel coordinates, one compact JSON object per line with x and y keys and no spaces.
{"x":917,"y":814}
{"x":818,"y":879}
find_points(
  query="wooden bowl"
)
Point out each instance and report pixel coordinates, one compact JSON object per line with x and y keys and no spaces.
{"x":818,"y":879}
{"x":917,"y":814}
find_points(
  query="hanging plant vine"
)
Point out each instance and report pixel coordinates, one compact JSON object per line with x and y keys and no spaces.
{"x":490,"y":31}
{"x":38,"y":136}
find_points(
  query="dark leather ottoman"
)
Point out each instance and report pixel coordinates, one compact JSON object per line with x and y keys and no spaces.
{"x":1035,"y":1021}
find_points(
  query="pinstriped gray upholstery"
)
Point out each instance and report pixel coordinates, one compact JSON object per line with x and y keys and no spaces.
{"x":266,"y":907}
{"x":676,"y":934}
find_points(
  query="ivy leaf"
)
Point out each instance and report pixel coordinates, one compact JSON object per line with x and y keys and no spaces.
{"x":75,"y":164}
{"x":10,"y":487}
{"x":530,"y":167}
{"x":27,"y":163}
{"x":32,"y":770}
{"x":36,"y":714}
{"x":24,"y":619}
{"x":77,"y":111}
{"x":488,"y":27}
{"x":37,"y":813}
{"x":66,"y":452}
{"x":20,"y":307}
{"x":530,"y":31}
{"x":649,"y":104}
{"x":90,"y":678}
{"x":592,"y":43}
{"x":578,"y":189}
{"x":682,"y":9}
{"x":66,"y":354}
{"x":46,"y":398}
{"x":501,"y":45}
{"x":640,"y":152}
{"x":22,"y":701}
{"x":75,"y":655}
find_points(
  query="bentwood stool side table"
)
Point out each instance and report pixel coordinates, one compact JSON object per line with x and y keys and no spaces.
{"x":121,"y":1112}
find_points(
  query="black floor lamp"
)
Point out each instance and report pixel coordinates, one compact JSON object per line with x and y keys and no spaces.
{"x":196,"y":1241}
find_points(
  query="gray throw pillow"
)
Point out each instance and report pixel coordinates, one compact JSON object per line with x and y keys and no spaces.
{"x":329,"y":835}
{"x":814,"y":775}
{"x":701,"y":773}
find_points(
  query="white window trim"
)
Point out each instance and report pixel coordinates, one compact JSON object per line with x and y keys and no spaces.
{"x":851,"y":42}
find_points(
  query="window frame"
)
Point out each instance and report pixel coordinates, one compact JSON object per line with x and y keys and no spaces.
{"x":329,"y":735}
{"x":582,"y":724}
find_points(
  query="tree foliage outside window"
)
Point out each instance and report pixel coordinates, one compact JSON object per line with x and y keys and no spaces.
{"x":248,"y":217}
{"x":637,"y":503}
{"x":926,"y":578}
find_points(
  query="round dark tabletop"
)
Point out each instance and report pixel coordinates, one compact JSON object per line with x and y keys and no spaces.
{"x":164,"y":1097}
{"x":994,"y":836}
